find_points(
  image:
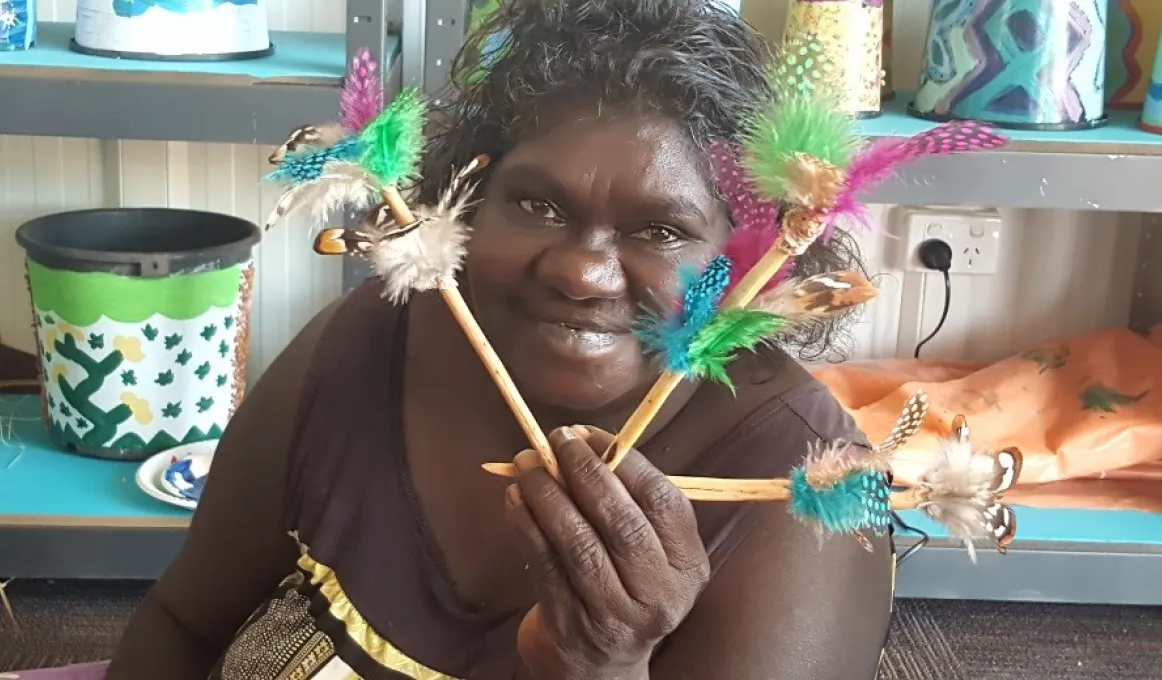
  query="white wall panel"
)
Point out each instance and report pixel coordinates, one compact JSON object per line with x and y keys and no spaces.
{"x":1062,"y":272}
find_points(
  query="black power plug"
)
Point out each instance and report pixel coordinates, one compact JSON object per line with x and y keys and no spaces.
{"x":936,"y":255}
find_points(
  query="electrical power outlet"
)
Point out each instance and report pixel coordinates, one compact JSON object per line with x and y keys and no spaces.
{"x":975,"y":237}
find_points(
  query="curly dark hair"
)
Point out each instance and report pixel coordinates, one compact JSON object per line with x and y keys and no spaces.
{"x":695,"y":61}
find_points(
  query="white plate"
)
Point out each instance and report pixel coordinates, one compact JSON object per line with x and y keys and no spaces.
{"x":151,"y":473}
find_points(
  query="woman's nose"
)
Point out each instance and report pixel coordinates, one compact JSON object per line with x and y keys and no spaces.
{"x":583,"y":271}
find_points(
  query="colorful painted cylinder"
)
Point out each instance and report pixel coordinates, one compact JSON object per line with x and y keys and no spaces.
{"x":173,"y":30}
{"x":1151,"y":119}
{"x":888,"y":92}
{"x":17,"y":25}
{"x":1132,"y":37}
{"x":1026,"y":64}
{"x":142,"y":325}
{"x":851,"y":34}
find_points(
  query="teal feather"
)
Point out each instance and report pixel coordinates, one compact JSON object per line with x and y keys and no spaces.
{"x":860,"y":501}
{"x":717,"y":343}
{"x":670,"y":335}
{"x":307,"y":166}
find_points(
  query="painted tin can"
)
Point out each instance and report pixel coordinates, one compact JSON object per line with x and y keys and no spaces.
{"x":17,"y":25}
{"x":173,"y":30}
{"x":1132,"y":37}
{"x":1023,"y":64}
{"x":851,"y":34}
{"x":888,"y":93}
{"x":1151,"y":120}
{"x":142,"y":325}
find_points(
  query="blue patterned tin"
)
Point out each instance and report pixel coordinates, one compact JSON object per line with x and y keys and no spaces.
{"x":17,"y":25}
{"x":1026,"y":64}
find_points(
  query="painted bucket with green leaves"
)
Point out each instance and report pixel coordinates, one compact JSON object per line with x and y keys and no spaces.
{"x":142,"y":319}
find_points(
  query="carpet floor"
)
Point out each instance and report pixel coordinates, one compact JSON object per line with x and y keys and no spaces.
{"x":67,"y":622}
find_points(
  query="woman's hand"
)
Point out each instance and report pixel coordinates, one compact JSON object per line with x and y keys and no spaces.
{"x":616,"y":560}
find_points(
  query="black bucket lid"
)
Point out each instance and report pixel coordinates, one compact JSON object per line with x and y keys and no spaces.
{"x":143,"y":242}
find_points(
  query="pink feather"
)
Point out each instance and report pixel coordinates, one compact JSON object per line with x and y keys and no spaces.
{"x":756,"y":219}
{"x":362,"y":97}
{"x":876,"y":162}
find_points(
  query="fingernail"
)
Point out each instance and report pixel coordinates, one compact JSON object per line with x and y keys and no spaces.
{"x":512,"y":495}
{"x":562,"y":435}
{"x":582,"y":431}
{"x":526,"y":460}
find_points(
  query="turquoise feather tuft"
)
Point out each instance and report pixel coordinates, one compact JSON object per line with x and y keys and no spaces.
{"x":858,"y":501}
{"x":308,"y":166}
{"x":670,"y":335}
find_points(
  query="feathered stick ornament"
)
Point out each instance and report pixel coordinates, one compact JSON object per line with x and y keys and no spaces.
{"x":798,"y":161}
{"x":845,"y":489}
{"x":804,"y":151}
{"x":411,"y":252}
{"x":326,"y":166}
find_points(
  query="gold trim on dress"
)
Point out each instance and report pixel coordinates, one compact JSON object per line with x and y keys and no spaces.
{"x":358,"y":629}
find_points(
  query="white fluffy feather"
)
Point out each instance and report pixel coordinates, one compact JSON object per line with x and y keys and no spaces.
{"x":958,"y":491}
{"x":427,"y":257}
{"x":342,"y":186}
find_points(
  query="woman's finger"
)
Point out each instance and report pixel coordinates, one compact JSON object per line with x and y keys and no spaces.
{"x":550,"y":582}
{"x":578,"y":546}
{"x":629,"y":537}
{"x":664,"y":505}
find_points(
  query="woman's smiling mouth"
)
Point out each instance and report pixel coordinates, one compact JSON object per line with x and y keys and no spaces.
{"x":576,"y":339}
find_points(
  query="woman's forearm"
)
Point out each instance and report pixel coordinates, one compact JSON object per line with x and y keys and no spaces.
{"x":157,"y":645}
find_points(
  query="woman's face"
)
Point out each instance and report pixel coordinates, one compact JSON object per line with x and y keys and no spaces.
{"x":581,"y":226}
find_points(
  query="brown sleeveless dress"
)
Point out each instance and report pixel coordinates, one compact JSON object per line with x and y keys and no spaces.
{"x":370,"y":597}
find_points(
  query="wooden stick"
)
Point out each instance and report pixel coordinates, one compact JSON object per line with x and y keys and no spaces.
{"x":463,"y":315}
{"x":716,"y":489}
{"x":641,"y":418}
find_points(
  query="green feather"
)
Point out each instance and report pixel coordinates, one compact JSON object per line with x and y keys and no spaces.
{"x":394,"y":141}
{"x":731,"y":330}
{"x":803,"y":117}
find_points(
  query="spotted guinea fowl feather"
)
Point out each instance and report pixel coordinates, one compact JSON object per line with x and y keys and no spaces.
{"x":361,"y":98}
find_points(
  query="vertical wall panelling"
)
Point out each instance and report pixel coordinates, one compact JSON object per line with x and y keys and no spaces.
{"x":1061,"y":272}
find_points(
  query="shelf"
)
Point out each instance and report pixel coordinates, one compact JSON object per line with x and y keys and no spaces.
{"x":64,"y":515}
{"x":1060,"y":555}
{"x":51,"y":90}
{"x":1115,"y":167}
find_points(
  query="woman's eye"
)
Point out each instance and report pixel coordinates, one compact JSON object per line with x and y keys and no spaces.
{"x":660,"y":234}
{"x":542,"y":210}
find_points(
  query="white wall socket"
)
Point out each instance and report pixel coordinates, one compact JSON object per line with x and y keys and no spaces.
{"x":975,"y":236}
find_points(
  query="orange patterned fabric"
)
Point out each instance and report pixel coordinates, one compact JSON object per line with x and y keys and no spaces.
{"x":1086,"y":412}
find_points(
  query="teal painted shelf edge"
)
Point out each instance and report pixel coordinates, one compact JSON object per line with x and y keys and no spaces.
{"x":46,"y":482}
{"x":1094,"y":528}
{"x":1121,"y":131}
{"x":298,"y":56}
{"x":38,"y":480}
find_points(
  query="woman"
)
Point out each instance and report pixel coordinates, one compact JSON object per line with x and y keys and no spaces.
{"x":347,"y":529}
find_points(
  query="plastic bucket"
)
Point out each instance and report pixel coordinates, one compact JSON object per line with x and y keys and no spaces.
{"x":190,"y":30}
{"x":851,"y":35}
{"x":1018,"y":64}
{"x":142,"y":323}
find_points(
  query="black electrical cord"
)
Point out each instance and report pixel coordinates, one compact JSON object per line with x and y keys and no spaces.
{"x":915,"y":547}
{"x":937,"y":256}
